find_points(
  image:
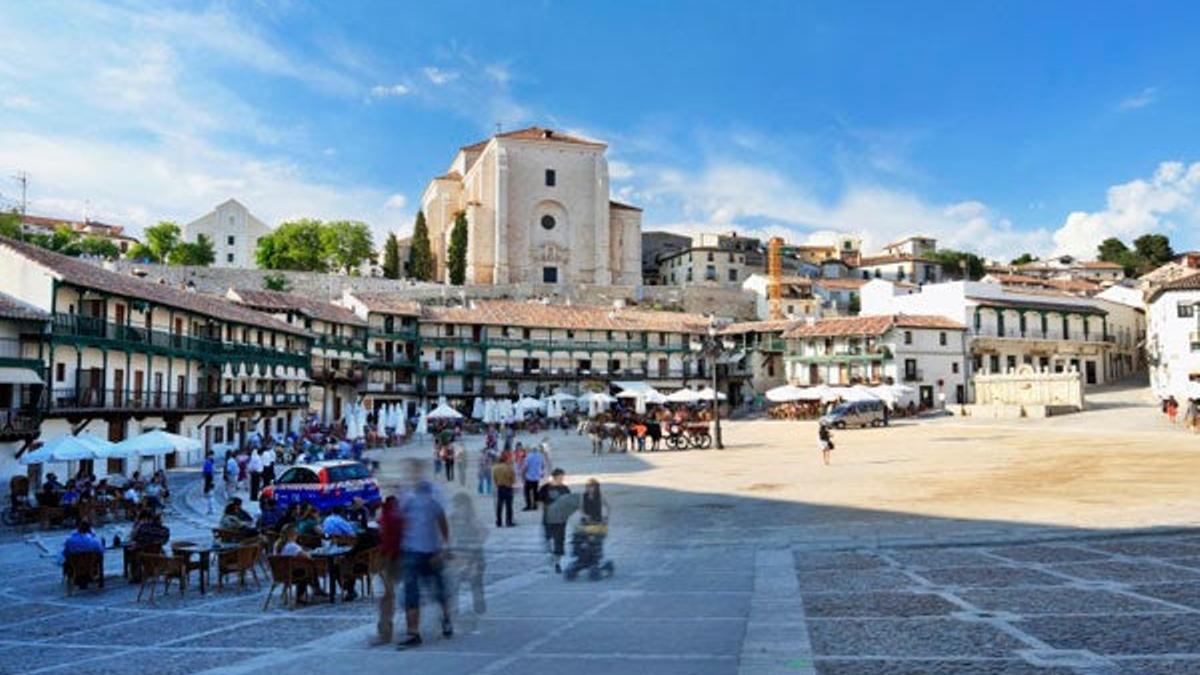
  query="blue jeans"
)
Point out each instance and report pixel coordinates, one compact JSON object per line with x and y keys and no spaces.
{"x":485,"y":483}
{"x":417,"y":568}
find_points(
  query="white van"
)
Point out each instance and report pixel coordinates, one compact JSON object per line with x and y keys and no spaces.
{"x":856,"y":413}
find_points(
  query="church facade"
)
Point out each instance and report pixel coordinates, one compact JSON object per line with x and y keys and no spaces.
{"x":538,"y":212}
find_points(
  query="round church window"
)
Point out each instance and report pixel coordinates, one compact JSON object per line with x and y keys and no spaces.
{"x":547,"y":222}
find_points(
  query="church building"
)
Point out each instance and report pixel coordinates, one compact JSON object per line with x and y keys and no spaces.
{"x":538,"y":211}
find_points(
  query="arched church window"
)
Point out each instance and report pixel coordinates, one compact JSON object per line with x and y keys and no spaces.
{"x":548,"y":222}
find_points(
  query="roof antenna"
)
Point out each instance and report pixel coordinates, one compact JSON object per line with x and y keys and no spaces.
{"x":498,"y":128}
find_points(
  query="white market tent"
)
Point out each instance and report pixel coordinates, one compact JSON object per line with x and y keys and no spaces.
{"x":706,"y":394}
{"x":477,"y":409}
{"x":527,"y":405}
{"x":62,"y":449}
{"x":683,"y":396}
{"x":562,"y":397}
{"x":444,"y":412}
{"x":788,"y":393}
{"x":155,"y":443}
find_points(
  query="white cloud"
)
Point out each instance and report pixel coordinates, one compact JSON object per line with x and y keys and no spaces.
{"x":1140,"y":100}
{"x":396,"y":201}
{"x":764,"y":202}
{"x":1169,"y":198}
{"x":618,"y":170}
{"x":388,"y":90}
{"x":439,"y":76}
{"x":498,"y":73}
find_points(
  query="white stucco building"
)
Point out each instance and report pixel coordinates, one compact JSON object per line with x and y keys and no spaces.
{"x":538,"y":211}
{"x":907,"y":260}
{"x":1008,"y":327}
{"x":927,"y":353}
{"x":234,"y":232}
{"x":1173,"y":337}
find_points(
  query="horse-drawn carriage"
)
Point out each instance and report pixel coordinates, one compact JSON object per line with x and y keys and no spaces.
{"x":688,"y":435}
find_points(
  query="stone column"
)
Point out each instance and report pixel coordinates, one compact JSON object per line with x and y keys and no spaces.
{"x":500,"y":273}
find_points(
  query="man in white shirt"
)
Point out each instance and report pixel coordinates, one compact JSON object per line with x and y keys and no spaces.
{"x":268,"y":463}
{"x":255,"y":468}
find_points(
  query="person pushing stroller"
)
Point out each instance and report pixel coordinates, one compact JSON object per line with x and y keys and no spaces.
{"x":587,"y":541}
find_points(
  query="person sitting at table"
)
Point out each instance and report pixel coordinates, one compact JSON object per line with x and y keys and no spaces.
{"x":289,"y":517}
{"x":82,"y":540}
{"x":69,"y":499}
{"x":153,"y":495}
{"x":336,"y":525}
{"x":231,"y":521}
{"x":358,"y":513}
{"x":136,"y":481}
{"x":309,"y":522}
{"x":152,"y":535}
{"x":241,"y":513}
{"x":131,"y":494}
{"x":288,"y":546}
{"x":51,"y":491}
{"x":269,"y":514}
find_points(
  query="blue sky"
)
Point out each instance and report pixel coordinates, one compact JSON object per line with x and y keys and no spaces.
{"x":1000,"y":127}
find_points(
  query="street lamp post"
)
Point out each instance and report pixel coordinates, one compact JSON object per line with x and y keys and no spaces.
{"x":712,"y":347}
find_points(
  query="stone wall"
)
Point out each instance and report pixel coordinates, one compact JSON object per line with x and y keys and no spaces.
{"x":732,"y":303}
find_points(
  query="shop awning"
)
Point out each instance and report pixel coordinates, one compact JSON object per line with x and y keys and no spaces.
{"x":19,"y":376}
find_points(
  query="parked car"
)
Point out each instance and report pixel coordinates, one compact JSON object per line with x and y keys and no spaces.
{"x":325,"y":485}
{"x":856,"y":413}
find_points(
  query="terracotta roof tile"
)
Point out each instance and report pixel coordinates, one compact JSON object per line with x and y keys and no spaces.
{"x":1187,"y":283}
{"x":582,"y":317}
{"x":388,"y":303}
{"x":844,"y":283}
{"x":890,"y":258}
{"x":12,"y":308}
{"x":869,"y":325}
{"x":274,"y":301}
{"x":534,"y":134}
{"x":80,"y":273}
{"x":769,"y":326}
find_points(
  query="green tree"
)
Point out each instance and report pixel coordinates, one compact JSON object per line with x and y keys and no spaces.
{"x":276,"y":282}
{"x":346,"y":244}
{"x":1154,"y":250}
{"x":855,"y":305}
{"x":1024,"y":259}
{"x":420,"y":256}
{"x":294,"y":245}
{"x":199,"y":253}
{"x":959,"y":264}
{"x":98,"y":246}
{"x":10,"y":225}
{"x":64,"y":240}
{"x":160,"y":240}
{"x":391,"y":257}
{"x":1112,"y":250}
{"x":456,"y":256}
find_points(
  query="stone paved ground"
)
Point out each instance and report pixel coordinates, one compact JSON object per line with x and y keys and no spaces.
{"x":756,"y":560}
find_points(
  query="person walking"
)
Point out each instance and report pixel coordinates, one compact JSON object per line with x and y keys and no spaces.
{"x":554,"y":525}
{"x":210,"y":483}
{"x":448,"y":461}
{"x":268,"y":464}
{"x":825,"y":442}
{"x":426,"y":534}
{"x":391,"y":533}
{"x":504,"y":478}
{"x":231,"y":474}
{"x":460,"y":459}
{"x":255,"y":467}
{"x":487,"y":459}
{"x":532,"y":473}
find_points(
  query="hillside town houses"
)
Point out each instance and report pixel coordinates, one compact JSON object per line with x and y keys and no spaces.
{"x":564,"y":293}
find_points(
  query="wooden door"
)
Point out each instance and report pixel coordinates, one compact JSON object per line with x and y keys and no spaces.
{"x":118,"y":390}
{"x":119,"y":314}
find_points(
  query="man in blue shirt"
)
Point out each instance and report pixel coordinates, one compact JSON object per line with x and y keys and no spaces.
{"x":425,"y":536}
{"x":336,"y":525}
{"x":209,"y":472}
{"x":535,"y":469}
{"x":83,"y":541}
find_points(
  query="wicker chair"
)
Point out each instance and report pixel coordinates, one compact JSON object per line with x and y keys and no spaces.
{"x":288,"y":571}
{"x":83,"y":567}
{"x":239,"y":561}
{"x":156,"y":566}
{"x":362,"y":567}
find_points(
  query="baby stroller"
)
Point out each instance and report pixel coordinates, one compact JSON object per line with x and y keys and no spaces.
{"x":587,"y":552}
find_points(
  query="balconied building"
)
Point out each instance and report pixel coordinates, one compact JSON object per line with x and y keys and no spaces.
{"x":22,"y":375}
{"x":392,"y":347}
{"x":926,"y":352}
{"x":1010,"y":327}
{"x":756,"y":363}
{"x":122,"y":354}
{"x":339,"y":352}
{"x":1173,"y":338}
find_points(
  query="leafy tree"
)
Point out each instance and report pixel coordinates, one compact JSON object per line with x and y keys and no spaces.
{"x":160,"y":240}
{"x":140,"y":253}
{"x":456,"y":256}
{"x":99,"y":247}
{"x":1024,"y":259}
{"x":346,"y":244}
{"x":1153,"y":249}
{"x":294,"y":245}
{"x":276,"y":282}
{"x":391,"y":257}
{"x":855,"y":305}
{"x":420,"y":256}
{"x":959,"y":264}
{"x":64,"y":240}
{"x":1112,"y":250}
{"x":10,"y":225}
{"x":198,"y":254}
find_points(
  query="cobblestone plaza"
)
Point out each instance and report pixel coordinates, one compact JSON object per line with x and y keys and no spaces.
{"x":939,"y":546}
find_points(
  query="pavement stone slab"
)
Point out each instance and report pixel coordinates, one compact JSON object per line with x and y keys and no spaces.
{"x":908,"y":638}
{"x":667,"y":605}
{"x":1139,"y":572}
{"x":157,"y":661}
{"x":1180,"y":593}
{"x":707,"y":637}
{"x":852,"y":580}
{"x":25,"y":658}
{"x":942,"y":557}
{"x":1064,"y":600}
{"x":935,"y":667}
{"x":268,"y":631}
{"x":1149,"y":548}
{"x":1047,"y":553}
{"x":880,"y":604}
{"x":1120,"y":635}
{"x":990,"y":577}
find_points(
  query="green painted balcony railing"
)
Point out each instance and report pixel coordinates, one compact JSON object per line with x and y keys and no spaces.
{"x":844,"y":357}
{"x":98,"y":332}
{"x":396,"y":333}
{"x":577,"y":344}
{"x":13,"y":355}
{"x":345,"y":342}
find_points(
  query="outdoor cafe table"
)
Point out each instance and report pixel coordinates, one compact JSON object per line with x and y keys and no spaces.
{"x":204,"y":552}
{"x":329,"y":554}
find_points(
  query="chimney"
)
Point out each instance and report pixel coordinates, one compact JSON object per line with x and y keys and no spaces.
{"x":547,"y":133}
